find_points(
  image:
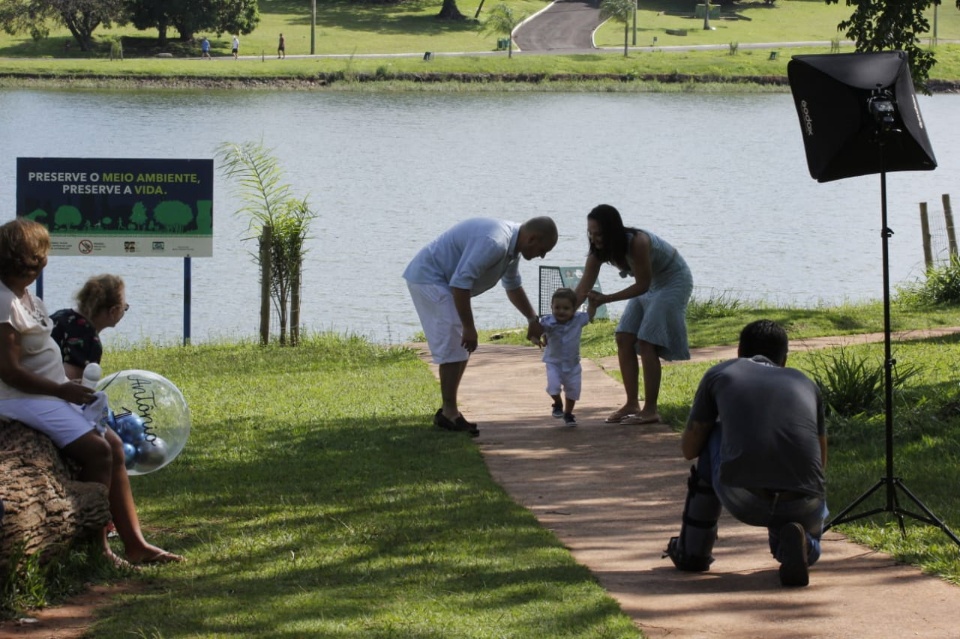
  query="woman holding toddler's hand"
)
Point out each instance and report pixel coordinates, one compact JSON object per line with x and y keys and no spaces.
{"x":653,"y":325}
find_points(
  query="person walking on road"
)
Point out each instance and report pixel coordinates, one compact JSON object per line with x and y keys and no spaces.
{"x":281,"y":48}
{"x":236,"y":46}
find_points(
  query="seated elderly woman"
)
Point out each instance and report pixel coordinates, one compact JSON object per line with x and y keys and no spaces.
{"x":35,"y":389}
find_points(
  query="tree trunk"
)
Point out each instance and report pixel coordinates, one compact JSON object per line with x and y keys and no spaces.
{"x":449,"y":11}
{"x":81,"y":26}
{"x":282,"y":313}
{"x":45,"y":507}
{"x":266,"y":277}
{"x":295,"y":300}
{"x":162,"y":33}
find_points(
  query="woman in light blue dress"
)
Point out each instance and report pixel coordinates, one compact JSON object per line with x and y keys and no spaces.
{"x":653,"y":325}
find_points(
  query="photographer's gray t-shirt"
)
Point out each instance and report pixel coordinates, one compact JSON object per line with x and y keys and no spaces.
{"x":770,"y":420}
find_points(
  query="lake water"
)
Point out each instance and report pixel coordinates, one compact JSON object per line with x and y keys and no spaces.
{"x":722,"y":177}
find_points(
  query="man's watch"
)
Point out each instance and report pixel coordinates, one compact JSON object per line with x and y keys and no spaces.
{"x":533,"y":320}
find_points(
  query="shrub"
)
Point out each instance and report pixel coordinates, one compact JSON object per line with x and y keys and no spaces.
{"x":941,"y":287}
{"x":715,"y":306}
{"x":850,"y":385}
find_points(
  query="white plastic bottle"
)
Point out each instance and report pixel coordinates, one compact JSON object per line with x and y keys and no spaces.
{"x":92,"y":374}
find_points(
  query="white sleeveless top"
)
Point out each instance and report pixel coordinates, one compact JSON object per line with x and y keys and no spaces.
{"x":39,"y":353}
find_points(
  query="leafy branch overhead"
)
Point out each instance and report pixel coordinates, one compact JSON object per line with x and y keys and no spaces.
{"x":885,"y":25}
{"x":83,"y":17}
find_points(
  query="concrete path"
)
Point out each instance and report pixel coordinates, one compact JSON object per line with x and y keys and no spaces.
{"x":614,"y":494}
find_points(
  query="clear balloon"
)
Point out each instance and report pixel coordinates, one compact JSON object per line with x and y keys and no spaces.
{"x":150,"y":415}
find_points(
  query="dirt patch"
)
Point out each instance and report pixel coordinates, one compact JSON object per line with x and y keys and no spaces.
{"x":69,"y":620}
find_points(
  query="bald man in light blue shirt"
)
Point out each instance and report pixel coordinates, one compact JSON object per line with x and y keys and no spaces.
{"x":463,"y":262}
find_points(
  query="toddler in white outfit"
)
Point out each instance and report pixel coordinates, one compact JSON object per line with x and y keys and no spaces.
{"x":561,"y":353}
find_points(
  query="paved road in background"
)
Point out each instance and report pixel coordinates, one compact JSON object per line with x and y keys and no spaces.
{"x":564,"y":25}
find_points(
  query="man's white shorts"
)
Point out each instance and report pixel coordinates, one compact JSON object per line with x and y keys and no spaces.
{"x":440,"y":321}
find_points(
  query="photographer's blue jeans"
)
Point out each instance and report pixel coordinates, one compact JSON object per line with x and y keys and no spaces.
{"x":754,"y":510}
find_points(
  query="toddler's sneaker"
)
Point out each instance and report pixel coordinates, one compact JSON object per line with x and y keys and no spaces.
{"x":569,"y":419}
{"x":558,"y":410}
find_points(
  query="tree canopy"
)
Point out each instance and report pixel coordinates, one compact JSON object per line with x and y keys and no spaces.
{"x":82,"y":17}
{"x":884,"y":25}
{"x":189,"y":17}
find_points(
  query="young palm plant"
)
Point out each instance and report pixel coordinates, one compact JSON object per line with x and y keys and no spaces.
{"x":502,"y":21}
{"x":619,"y":11}
{"x":280,"y":222}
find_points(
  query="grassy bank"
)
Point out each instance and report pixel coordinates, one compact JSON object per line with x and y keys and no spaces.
{"x":717,"y":321}
{"x":749,"y":71}
{"x":314,"y":498}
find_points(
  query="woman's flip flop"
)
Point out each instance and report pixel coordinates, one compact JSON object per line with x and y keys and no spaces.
{"x":636,"y":420}
{"x":617,"y":417}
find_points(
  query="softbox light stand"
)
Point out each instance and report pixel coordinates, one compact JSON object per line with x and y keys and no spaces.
{"x":859,"y":115}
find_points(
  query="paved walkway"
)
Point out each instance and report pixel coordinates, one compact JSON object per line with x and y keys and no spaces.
{"x":614,"y":494}
{"x":564,"y":25}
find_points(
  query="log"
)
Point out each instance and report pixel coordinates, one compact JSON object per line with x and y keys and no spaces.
{"x":45,"y":507}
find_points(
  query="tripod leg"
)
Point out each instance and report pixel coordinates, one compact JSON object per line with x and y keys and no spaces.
{"x":897,"y":511}
{"x":930,"y":518}
{"x":842,"y":517}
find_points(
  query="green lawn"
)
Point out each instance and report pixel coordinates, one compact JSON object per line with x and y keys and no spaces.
{"x":785,"y":21}
{"x":314,"y":497}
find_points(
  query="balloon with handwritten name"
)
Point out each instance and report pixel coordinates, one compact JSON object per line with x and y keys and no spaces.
{"x":150,"y":415}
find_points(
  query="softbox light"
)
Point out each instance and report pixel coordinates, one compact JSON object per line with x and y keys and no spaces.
{"x":844,"y":103}
{"x":859,"y":115}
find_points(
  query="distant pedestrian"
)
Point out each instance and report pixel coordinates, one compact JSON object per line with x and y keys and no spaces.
{"x":236,"y":46}
{"x":205,"y":48}
{"x":282,"y":48}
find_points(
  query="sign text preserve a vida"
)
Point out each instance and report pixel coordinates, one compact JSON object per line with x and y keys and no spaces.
{"x":98,"y":206}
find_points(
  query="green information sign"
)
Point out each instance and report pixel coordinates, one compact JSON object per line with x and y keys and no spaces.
{"x":115,"y":207}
